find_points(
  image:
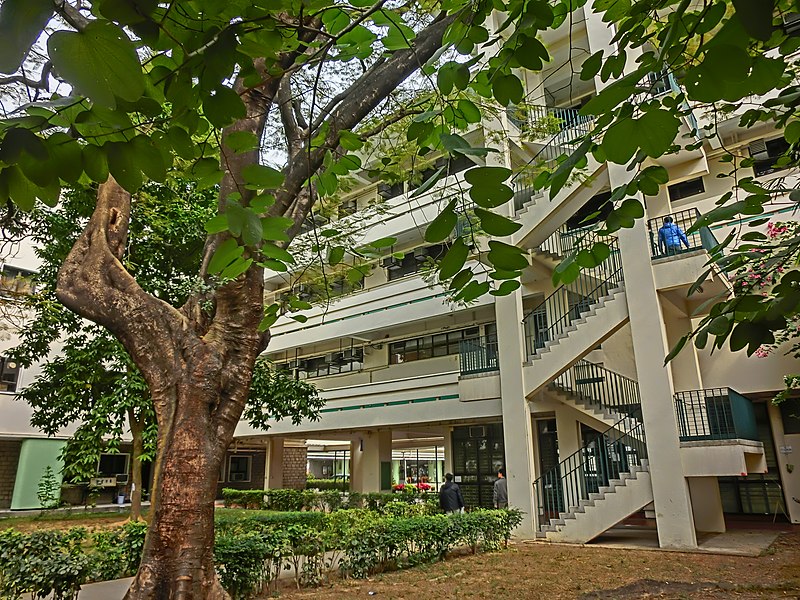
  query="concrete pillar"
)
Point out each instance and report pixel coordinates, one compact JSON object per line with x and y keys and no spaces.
{"x":448,"y":452}
{"x":707,"y":504}
{"x":670,"y":489}
{"x":568,"y":431}
{"x":273,"y":465}
{"x":368,"y":451}
{"x":685,"y":367}
{"x":518,"y":435}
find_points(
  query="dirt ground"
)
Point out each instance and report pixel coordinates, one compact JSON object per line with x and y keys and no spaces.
{"x":529,"y":570}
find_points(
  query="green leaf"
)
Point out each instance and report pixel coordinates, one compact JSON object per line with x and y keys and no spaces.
{"x":21,"y":23}
{"x":383,"y":242}
{"x":454,"y":260}
{"x":236,"y":268}
{"x":506,"y":288}
{"x":181,"y":142}
{"x":505,"y":257}
{"x":460,"y":280}
{"x":469,"y":111}
{"x":591,"y":66}
{"x":95,"y":163}
{"x":349,"y":140}
{"x":495,"y":224}
{"x":227,"y":252}
{"x":507,"y":89}
{"x":429,"y":183}
{"x":223,"y":107}
{"x":262,"y":177}
{"x":620,"y":141}
{"x":216,"y":224}
{"x":335,"y":255}
{"x":241,"y":141}
{"x":442,"y":225}
{"x":792,"y":132}
{"x":100,"y":62}
{"x":149,"y":158}
{"x":270,"y":250}
{"x":656,"y":131}
{"x":756,"y":17}
{"x":122,"y":163}
{"x":472,"y":291}
{"x":676,"y":349}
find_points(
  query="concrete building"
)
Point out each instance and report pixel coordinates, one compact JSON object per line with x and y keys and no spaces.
{"x":564,"y":387}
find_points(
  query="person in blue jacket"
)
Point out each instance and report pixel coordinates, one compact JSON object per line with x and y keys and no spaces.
{"x":670,"y":237}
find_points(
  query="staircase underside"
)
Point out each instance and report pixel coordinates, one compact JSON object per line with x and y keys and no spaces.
{"x":603,"y":319}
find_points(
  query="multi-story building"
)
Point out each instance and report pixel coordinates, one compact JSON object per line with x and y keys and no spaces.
{"x":565,"y":387}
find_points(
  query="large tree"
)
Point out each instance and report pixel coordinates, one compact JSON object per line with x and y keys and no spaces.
{"x":193,"y":85}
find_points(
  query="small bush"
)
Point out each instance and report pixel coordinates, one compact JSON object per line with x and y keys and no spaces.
{"x":253,"y":499}
{"x":117,"y":552}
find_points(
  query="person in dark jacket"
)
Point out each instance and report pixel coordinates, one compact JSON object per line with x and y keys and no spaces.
{"x":450,"y":498}
{"x":500,"y":494}
{"x":670,"y":237}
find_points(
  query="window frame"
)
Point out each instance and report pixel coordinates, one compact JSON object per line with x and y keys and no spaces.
{"x":249,"y":458}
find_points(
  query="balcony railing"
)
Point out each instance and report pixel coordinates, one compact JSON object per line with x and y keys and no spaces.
{"x":662,"y":245}
{"x":715,"y":414}
{"x":479,"y":355}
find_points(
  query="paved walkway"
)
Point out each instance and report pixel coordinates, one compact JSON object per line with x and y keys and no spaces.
{"x":736,"y":542}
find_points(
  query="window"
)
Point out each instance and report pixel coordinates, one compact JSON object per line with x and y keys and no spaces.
{"x":239,"y":468}
{"x":9,"y":375}
{"x":16,"y":282}
{"x":765,"y":153}
{"x":790,"y":412}
{"x":111,"y":465}
{"x":440,"y":344}
{"x":411,"y":261}
{"x":684,"y":189}
{"x":334,"y":363}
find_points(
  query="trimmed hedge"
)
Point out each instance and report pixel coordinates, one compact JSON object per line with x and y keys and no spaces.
{"x":252,"y":547}
{"x":327,"y":484}
{"x":325,"y":501}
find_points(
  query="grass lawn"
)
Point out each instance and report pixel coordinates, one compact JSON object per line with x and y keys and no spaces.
{"x":64,"y":520}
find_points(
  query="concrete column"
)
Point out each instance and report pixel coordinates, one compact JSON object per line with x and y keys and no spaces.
{"x":273,"y":465}
{"x":518,"y":435}
{"x":448,"y":451}
{"x":707,"y":504}
{"x":685,"y":367}
{"x":368,"y":451}
{"x":569,"y":441}
{"x":670,"y":489}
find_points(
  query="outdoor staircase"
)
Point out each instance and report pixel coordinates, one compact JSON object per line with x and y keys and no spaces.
{"x":540,"y":215}
{"x":596,"y":487}
{"x":610,"y":399}
{"x":572,"y":321}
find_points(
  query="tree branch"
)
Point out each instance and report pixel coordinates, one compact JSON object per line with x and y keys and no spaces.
{"x":71,"y":14}
{"x":363,"y":96}
{"x":41,"y":84}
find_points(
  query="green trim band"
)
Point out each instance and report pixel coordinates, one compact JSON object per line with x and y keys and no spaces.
{"x":392,"y":403}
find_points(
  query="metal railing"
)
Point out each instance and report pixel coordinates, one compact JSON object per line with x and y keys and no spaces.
{"x":563,"y":129}
{"x":663,"y":244}
{"x":479,"y":355}
{"x":714,"y":414}
{"x":563,"y":241}
{"x":584,"y":472}
{"x":601,"y":388}
{"x":569,"y":302}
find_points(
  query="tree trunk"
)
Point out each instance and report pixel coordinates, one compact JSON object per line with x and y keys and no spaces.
{"x":136,"y":466}
{"x":177,"y":560}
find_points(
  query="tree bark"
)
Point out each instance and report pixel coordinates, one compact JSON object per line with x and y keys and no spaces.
{"x":136,"y":466}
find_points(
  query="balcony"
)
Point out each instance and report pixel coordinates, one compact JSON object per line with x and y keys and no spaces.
{"x":715,"y":414}
{"x":479,"y":355}
{"x":663,"y":246}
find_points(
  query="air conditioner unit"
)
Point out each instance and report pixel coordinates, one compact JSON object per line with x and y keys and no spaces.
{"x":335,"y":358}
{"x":122,"y":478}
{"x":392,"y":263}
{"x":421,"y":253}
{"x":477,"y":432}
{"x":791,"y":23}
{"x":351,"y":354}
{"x":758,"y":150}
{"x":304,"y":292}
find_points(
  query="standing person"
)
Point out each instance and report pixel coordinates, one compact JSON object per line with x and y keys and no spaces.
{"x":670,"y":237}
{"x":450,"y":498}
{"x":500,"y":494}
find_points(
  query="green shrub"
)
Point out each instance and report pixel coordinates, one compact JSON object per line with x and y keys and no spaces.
{"x":244,"y":521}
{"x":327,"y":484}
{"x":248,"y":563}
{"x":117,"y":552}
{"x":253,"y":499}
{"x":43,"y":563}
